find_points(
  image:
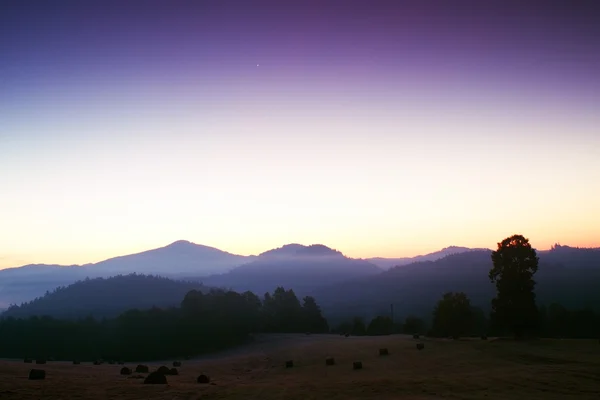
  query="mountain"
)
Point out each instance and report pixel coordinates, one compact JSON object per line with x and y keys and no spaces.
{"x":302,"y":268}
{"x":108,"y":297}
{"x":387,"y":263}
{"x":570,"y":277}
{"x":177,"y":259}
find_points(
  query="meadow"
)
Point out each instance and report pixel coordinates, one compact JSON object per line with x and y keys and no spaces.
{"x":462,"y":369}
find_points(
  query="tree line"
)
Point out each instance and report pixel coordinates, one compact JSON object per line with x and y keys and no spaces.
{"x":202,"y":323}
{"x":514,"y":309}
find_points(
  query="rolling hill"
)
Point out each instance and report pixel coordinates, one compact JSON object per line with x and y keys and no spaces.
{"x":106,"y":297}
{"x":177,"y":259}
{"x":303,"y":268}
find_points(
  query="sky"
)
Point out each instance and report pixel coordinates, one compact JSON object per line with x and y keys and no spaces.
{"x":379,"y":128}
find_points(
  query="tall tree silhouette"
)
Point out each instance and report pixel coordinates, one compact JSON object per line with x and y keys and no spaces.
{"x":514,"y":264}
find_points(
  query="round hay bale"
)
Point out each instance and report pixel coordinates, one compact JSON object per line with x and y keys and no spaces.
{"x":163,"y":370}
{"x":40,"y":361}
{"x":203,"y":379}
{"x":125,"y":371}
{"x":330,"y":361}
{"x":156,"y":378}
{"x":357,"y":365}
{"x":37,"y":374}
{"x":384,"y":352}
{"x":173,"y":371}
{"x":177,"y":363}
{"x":420,"y":346}
{"x":27,"y":360}
{"x":141,"y":369}
{"x":289,"y":363}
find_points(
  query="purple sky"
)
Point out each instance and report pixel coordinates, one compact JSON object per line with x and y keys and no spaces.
{"x":295,"y":109}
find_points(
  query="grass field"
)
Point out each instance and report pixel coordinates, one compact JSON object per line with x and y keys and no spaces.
{"x":465,"y":369}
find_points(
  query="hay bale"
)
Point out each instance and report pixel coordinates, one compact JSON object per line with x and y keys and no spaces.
{"x":289,"y":363}
{"x":27,"y":360}
{"x":163,"y":370}
{"x":203,"y":379}
{"x":357,"y":365}
{"x":76,"y":362}
{"x":37,"y":374}
{"x":141,"y":369}
{"x":330,"y":361}
{"x":125,"y":371}
{"x":420,"y":346}
{"x":156,"y":378}
{"x":173,"y":371}
{"x":415,"y":336}
{"x":40,"y":361}
{"x":384,"y":352}
{"x":177,"y":363}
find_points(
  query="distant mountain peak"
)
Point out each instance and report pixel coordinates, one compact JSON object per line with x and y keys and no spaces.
{"x":180,"y":243}
{"x":296,"y":249}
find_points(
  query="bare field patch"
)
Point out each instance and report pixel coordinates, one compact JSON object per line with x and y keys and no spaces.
{"x":464,"y":369}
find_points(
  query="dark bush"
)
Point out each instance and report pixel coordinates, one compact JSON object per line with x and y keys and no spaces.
{"x":420,"y":346}
{"x":330,"y":361}
{"x":40,"y":361}
{"x":36,"y":374}
{"x":125,"y":371}
{"x":484,"y":337}
{"x":289,"y":363}
{"x":415,"y":336}
{"x":384,"y":352}
{"x":173,"y":371}
{"x":357,"y":365}
{"x":28,"y":361}
{"x":203,"y":379}
{"x":76,"y":362}
{"x":156,"y":378}
{"x":177,"y":363}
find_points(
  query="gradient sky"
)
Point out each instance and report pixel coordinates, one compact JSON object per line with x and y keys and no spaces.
{"x":380,"y":128}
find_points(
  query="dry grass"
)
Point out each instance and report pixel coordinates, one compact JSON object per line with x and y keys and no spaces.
{"x":470,"y":369}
